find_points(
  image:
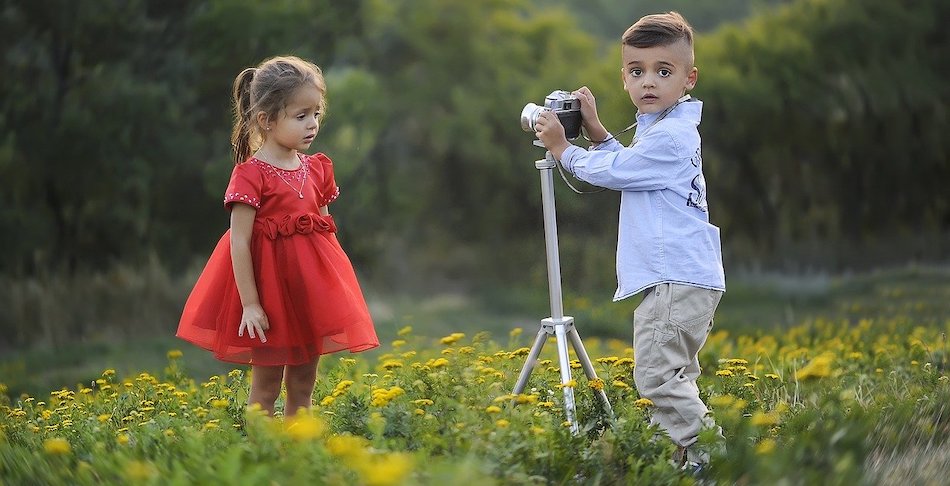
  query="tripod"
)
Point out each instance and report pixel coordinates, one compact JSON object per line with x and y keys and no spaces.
{"x":558,"y":324}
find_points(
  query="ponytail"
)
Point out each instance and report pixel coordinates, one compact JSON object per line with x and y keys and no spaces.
{"x":241,"y":133}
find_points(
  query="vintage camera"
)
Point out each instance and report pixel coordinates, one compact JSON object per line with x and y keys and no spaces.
{"x":565,"y":105}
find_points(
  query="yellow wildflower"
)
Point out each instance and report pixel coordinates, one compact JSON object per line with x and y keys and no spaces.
{"x":437,"y":363}
{"x":620,"y":384}
{"x":346,"y":446}
{"x":303,"y":427}
{"x":502,"y":423}
{"x":522,"y":398}
{"x":643,"y":402}
{"x":452,"y":338}
{"x":722,"y":400}
{"x":765,"y":447}
{"x":760,"y":419}
{"x":819,"y":367}
{"x":139,"y":471}
{"x":405,"y":330}
{"x":493,"y":409}
{"x":174,"y":354}
{"x":725,"y":372}
{"x":56,"y":446}
{"x":596,"y":384}
{"x":569,"y":384}
{"x":388,"y":470}
{"x":392,"y":363}
{"x":381,"y":396}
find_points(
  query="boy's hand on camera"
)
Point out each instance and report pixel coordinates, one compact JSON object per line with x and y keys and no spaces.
{"x":595,"y":129}
{"x":551,"y":133}
{"x":588,"y":103}
{"x":254,"y":321}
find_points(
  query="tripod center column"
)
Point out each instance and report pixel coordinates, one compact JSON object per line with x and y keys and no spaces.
{"x":550,"y":234}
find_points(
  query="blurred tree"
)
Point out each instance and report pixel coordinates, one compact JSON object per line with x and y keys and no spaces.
{"x":116,"y":117}
{"x":609,"y":19}
{"x":84,"y":98}
{"x":441,"y":150}
{"x":823,"y":122}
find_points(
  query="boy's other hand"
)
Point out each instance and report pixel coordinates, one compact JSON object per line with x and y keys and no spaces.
{"x":551,"y":133}
{"x":592,"y":125}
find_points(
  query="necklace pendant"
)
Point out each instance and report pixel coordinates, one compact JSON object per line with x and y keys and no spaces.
{"x":301,"y":195}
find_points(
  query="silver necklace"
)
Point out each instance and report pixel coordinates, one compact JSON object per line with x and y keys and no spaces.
{"x":303,"y":180}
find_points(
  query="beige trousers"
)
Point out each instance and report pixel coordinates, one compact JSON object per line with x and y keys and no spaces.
{"x":670,"y":326}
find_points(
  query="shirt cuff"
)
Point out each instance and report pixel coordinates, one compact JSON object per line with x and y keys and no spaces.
{"x":569,"y":157}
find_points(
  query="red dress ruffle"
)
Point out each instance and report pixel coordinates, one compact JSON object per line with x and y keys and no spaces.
{"x":305,"y":281}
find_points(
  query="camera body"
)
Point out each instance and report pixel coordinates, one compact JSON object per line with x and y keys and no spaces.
{"x":565,"y":105}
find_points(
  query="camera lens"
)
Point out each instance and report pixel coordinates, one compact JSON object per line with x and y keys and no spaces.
{"x":529,"y":115}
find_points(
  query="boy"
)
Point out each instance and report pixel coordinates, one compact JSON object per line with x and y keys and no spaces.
{"x":667,"y":249}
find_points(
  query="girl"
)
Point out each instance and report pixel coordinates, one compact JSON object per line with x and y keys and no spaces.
{"x":278,"y":290}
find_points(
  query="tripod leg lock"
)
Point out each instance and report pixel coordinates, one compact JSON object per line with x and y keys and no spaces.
{"x":548,"y":324}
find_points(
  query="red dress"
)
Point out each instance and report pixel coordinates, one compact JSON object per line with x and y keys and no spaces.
{"x":306,"y":283}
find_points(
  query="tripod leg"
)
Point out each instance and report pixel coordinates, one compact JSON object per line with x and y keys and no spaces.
{"x":530,"y":362}
{"x":565,"y":363}
{"x":588,"y":367}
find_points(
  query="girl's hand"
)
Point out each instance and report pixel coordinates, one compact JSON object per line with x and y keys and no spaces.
{"x":254,"y":320}
{"x":592,"y":125}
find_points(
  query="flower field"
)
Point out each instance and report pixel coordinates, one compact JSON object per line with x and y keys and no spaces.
{"x":826,"y":402}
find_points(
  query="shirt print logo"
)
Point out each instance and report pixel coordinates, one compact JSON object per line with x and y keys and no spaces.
{"x":697,"y":199}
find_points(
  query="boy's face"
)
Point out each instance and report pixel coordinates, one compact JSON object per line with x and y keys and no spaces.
{"x":655,"y":77}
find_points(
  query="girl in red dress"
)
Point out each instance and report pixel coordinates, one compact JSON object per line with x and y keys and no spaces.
{"x":278,"y":290}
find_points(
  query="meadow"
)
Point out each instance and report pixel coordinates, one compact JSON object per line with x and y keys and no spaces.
{"x":855,"y":392}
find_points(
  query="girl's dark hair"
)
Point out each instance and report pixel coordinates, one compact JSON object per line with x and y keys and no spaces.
{"x":658,"y":30}
{"x":267,"y":88}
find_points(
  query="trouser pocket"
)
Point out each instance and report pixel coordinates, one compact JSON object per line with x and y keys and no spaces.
{"x":692,"y":308}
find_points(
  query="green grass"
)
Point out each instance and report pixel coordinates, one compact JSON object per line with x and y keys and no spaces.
{"x":822,"y":402}
{"x":752,"y":304}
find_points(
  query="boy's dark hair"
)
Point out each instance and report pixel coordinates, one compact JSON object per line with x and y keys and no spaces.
{"x":658,"y":30}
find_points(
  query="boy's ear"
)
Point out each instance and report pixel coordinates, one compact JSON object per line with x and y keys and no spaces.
{"x":623,"y":79}
{"x":691,"y":78}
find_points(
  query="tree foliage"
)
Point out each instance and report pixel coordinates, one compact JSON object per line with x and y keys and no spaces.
{"x":823,"y":123}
